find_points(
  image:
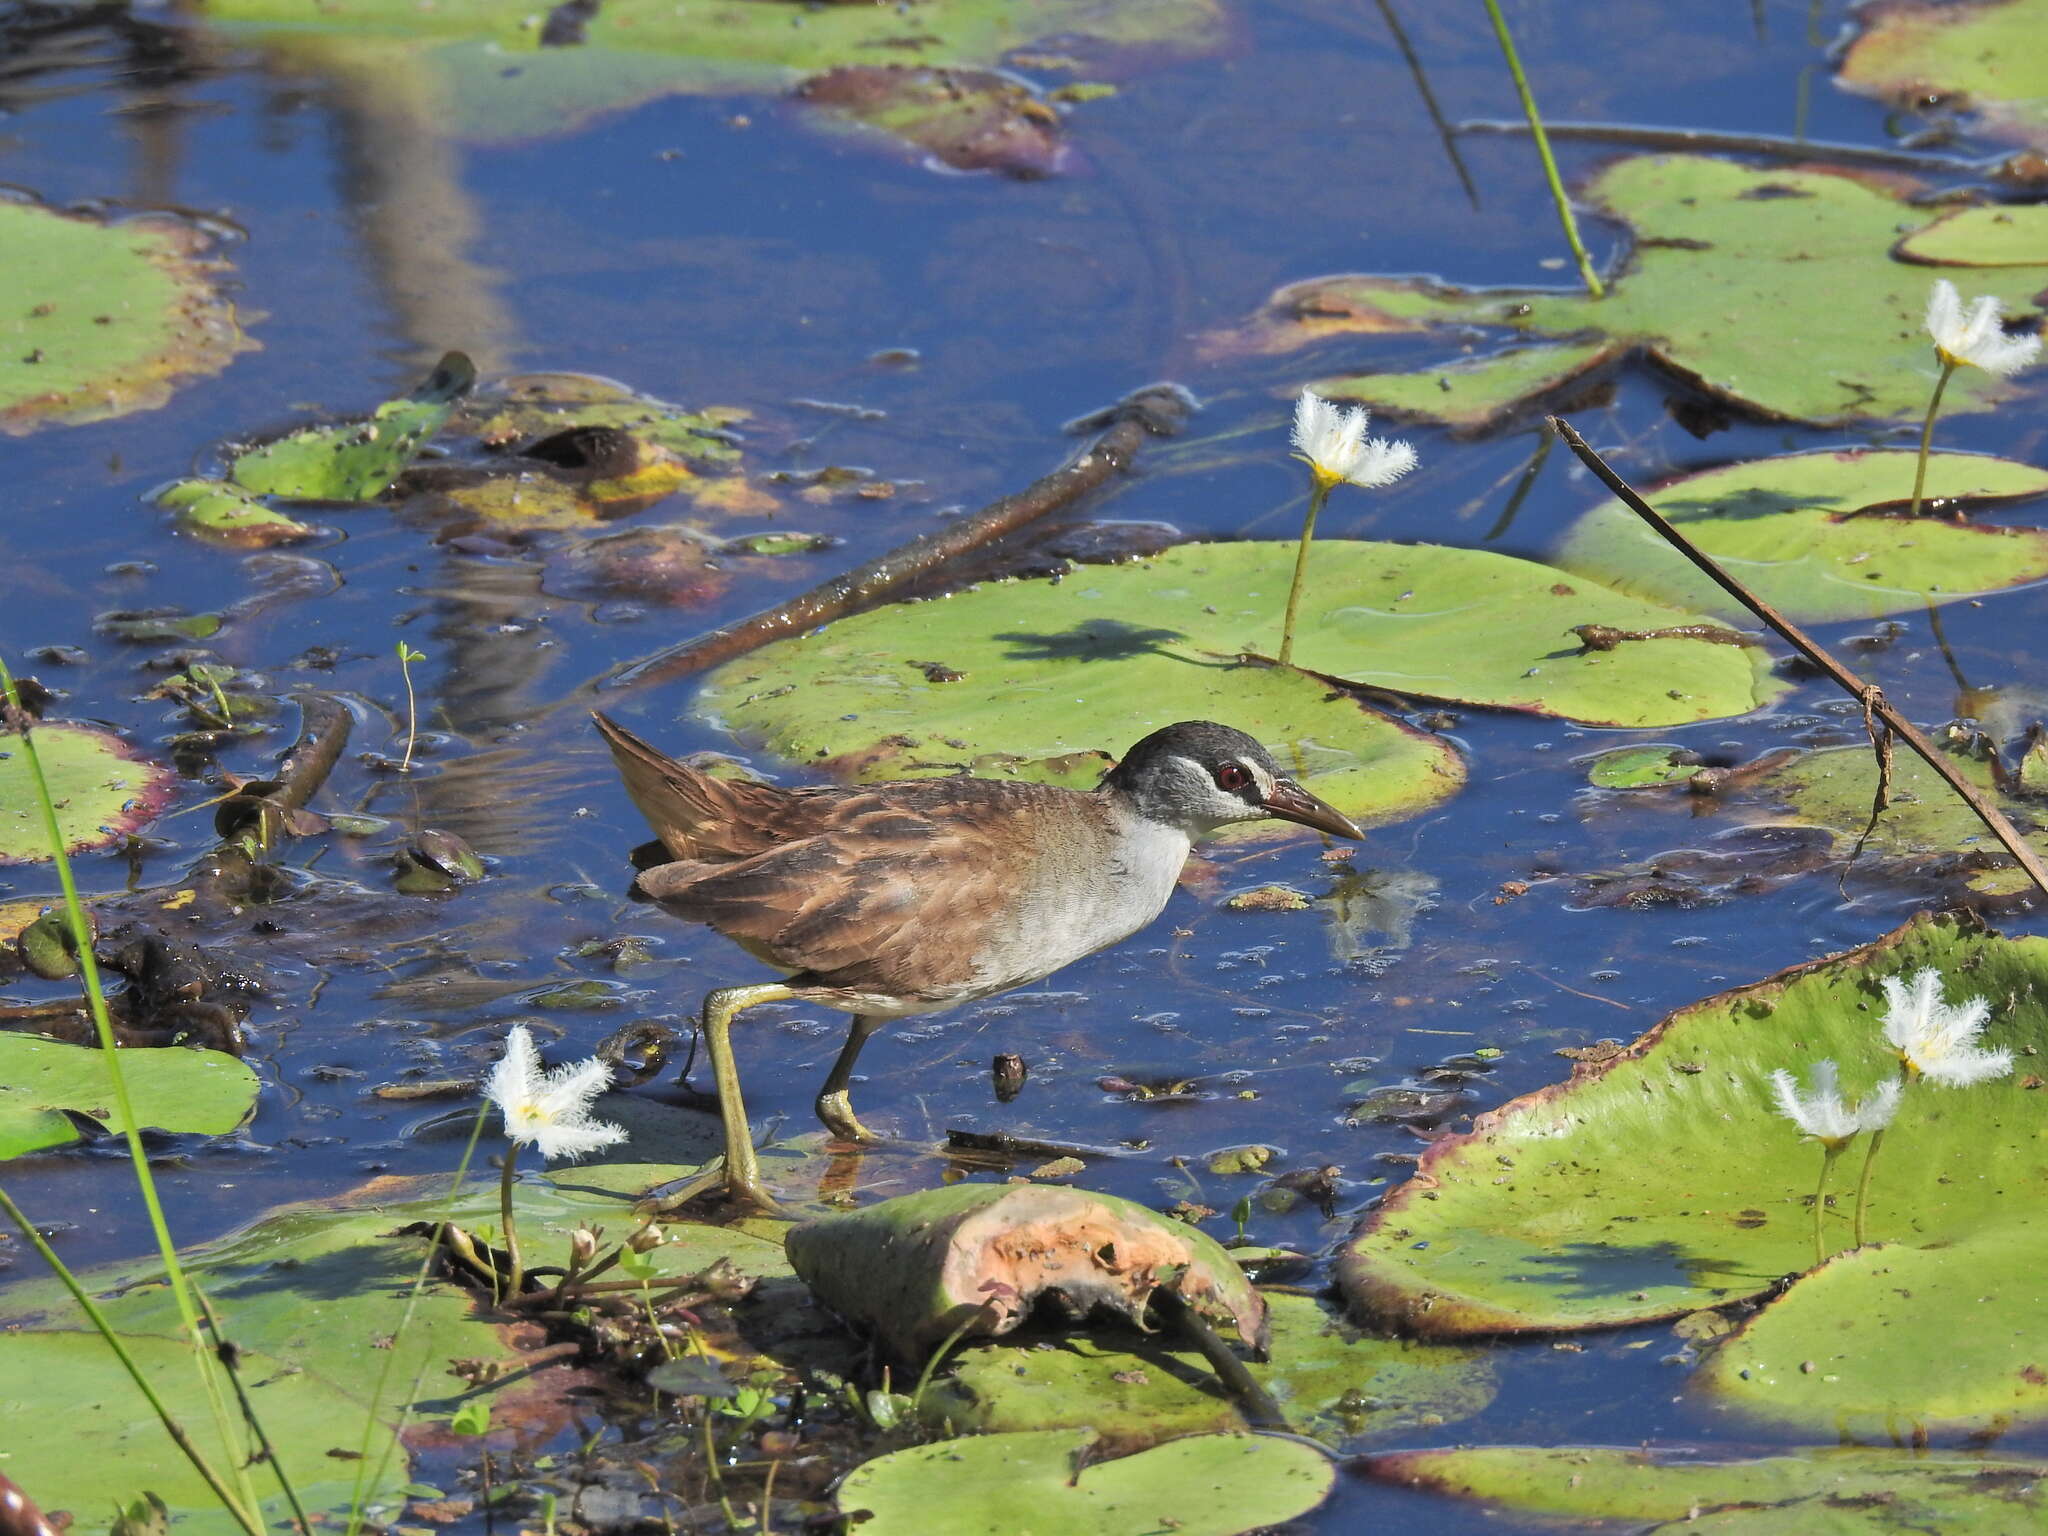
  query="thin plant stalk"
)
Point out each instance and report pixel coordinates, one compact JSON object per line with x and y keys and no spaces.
{"x":1820,"y":1202}
{"x":515,"y":1272}
{"x":1557,"y":193}
{"x":1316,"y":498}
{"x":1948,"y":368}
{"x":1863,"y":1181}
{"x":226,"y":1353}
{"x":406,"y":657}
{"x":96,"y":999}
{"x":364,"y":1476}
{"x":98,"y":1319}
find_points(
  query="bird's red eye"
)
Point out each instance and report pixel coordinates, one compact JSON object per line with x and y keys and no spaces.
{"x":1232,"y":777}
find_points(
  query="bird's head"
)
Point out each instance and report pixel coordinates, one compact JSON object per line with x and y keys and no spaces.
{"x":1199,"y":776}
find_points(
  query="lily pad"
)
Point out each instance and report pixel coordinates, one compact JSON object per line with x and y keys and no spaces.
{"x":1204,"y":1485}
{"x":1642,"y":767}
{"x":1982,"y":237}
{"x":102,"y":788}
{"x":968,"y":119}
{"x":1988,"y":52}
{"x":1820,"y":536}
{"x":484,"y":66}
{"x":1036,"y":671}
{"x":43,"y":1083}
{"x":104,"y":318}
{"x":1660,"y":1181}
{"x":228,"y":515}
{"x":1778,"y":289}
{"x":1840,"y":1492}
{"x":1332,"y":1382}
{"x":355,"y":460}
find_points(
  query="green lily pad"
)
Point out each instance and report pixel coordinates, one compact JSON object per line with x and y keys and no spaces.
{"x":1778,"y":289}
{"x":1819,"y":536}
{"x":1046,"y":669}
{"x":1204,"y":1485}
{"x":1989,"y":52}
{"x":1642,"y":767}
{"x":102,"y":788}
{"x":1332,"y":1382}
{"x":1982,"y":237}
{"x":1661,"y":1181}
{"x":230,"y":516}
{"x":1839,"y":1492}
{"x":207,"y":1093}
{"x":81,"y":1435}
{"x":1473,"y":394}
{"x":105,"y":318}
{"x":355,"y":460}
{"x":484,"y":67}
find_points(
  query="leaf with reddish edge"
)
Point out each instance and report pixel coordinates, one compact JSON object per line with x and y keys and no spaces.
{"x":103,"y":790}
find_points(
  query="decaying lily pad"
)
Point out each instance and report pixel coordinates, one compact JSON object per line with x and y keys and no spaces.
{"x":1030,"y":673}
{"x":105,"y":317}
{"x":983,"y":1485}
{"x":1331,"y":1381}
{"x":43,"y":1083}
{"x":1988,"y":54}
{"x":1660,"y":1181}
{"x":355,"y":460}
{"x":1778,"y":289}
{"x":564,"y":450}
{"x":103,"y":790}
{"x":1820,"y":536}
{"x":919,"y":1268}
{"x":486,"y":70}
{"x":1842,"y":1492}
{"x":969,"y":119}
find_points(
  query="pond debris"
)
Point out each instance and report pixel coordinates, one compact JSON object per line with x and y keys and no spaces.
{"x":974,"y":1260}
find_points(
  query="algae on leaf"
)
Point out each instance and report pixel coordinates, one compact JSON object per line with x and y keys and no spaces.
{"x":1819,"y":536}
{"x":105,"y":317}
{"x":1777,"y":289}
{"x":1203,"y":1485}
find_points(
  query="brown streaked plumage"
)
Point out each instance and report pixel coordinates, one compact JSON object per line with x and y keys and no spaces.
{"x":910,"y":896}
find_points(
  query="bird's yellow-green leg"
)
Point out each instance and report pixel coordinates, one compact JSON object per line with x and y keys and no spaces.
{"x":742,"y":1173}
{"x":834,"y":1107}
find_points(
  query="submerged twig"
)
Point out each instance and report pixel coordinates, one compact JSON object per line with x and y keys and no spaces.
{"x":1876,"y":707}
{"x":1707,"y":141}
{"x":1429,"y":104}
{"x":1158,"y":409}
{"x":1004,"y":1144}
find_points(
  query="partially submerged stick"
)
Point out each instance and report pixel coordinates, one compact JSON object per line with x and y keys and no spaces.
{"x":1157,"y":410}
{"x":1707,"y":141}
{"x":1877,"y":710}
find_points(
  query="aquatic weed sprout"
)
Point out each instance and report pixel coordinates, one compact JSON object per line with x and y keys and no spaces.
{"x":1976,"y":338}
{"x":1331,"y":440}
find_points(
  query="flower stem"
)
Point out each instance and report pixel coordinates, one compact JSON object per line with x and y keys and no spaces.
{"x":1948,"y":367}
{"x":1316,"y":499}
{"x":1820,"y":1202}
{"x":514,"y":1273}
{"x":1863,"y":1181}
{"x":1557,"y":194}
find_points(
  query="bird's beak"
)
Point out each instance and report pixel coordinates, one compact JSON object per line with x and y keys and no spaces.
{"x":1290,"y":802}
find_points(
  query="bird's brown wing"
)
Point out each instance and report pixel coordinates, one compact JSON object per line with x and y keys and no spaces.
{"x":698,"y":817}
{"x":893,"y":899}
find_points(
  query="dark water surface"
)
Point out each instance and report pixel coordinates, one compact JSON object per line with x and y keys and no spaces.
{"x":715,"y":251}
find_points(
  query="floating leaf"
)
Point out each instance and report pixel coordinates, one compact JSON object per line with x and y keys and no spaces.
{"x":1204,"y":1485}
{"x":172,"y":1088}
{"x":1643,"y":766}
{"x":1776,"y":288}
{"x":919,"y":1268}
{"x":1660,"y":1181}
{"x":225,"y":514}
{"x":1983,"y":237}
{"x":1840,"y":1492}
{"x":1988,"y":52}
{"x":102,"y":789}
{"x":1473,"y":394}
{"x":1819,"y":536}
{"x":1036,"y":671}
{"x":105,"y":318}
{"x":1331,"y":1381}
{"x":355,"y":460}
{"x":969,"y":119}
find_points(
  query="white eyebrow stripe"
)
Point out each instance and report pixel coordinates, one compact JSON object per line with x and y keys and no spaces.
{"x":1266,"y":782}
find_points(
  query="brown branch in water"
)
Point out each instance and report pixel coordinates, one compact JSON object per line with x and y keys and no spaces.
{"x":1605,"y":637}
{"x":1156,"y":410}
{"x":1707,"y":141}
{"x":1003,"y":1144}
{"x":1885,"y":720}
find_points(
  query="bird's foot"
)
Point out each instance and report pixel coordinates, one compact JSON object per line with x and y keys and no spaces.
{"x":743,"y":1188}
{"x":836,"y":1110}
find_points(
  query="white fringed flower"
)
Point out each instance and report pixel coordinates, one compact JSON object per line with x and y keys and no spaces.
{"x":1935,"y":1040}
{"x":1975,"y":338}
{"x":1823,"y":1115}
{"x":1333,"y":441}
{"x":550,"y":1110}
